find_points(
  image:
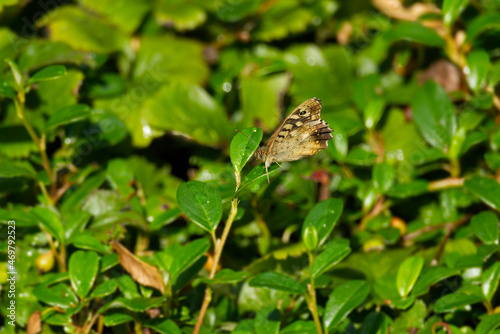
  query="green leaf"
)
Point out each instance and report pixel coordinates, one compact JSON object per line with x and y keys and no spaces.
{"x":258,"y":173}
{"x":478,"y":65}
{"x":414,"y":32}
{"x":323,"y":217}
{"x":488,"y":190}
{"x":434,"y":115}
{"x":408,"y":273}
{"x":383,"y":176}
{"x":6,"y":90}
{"x":83,"y":268}
{"x":281,"y":20}
{"x":51,"y":222}
{"x":455,"y":301}
{"x":310,"y":237}
{"x":345,"y":298}
{"x":431,"y":277}
{"x":333,"y":254}
{"x":485,"y":227}
{"x":120,"y":176}
{"x":406,"y":190}
{"x":227,"y":276}
{"x":16,"y":73}
{"x":191,"y":112}
{"x":243,"y":146}
{"x":68,"y":115}
{"x":201,"y":203}
{"x":188,"y":256}
{"x":373,"y":112}
{"x":104,"y":289}
{"x":22,"y":169}
{"x":481,"y":23}
{"x":277,"y":281}
{"x":180,"y":14}
{"x":452,"y":10}
{"x":179,"y":60}
{"x":261,"y":98}
{"x":359,"y":156}
{"x":165,"y":218}
{"x":163,"y":326}
{"x":59,"y":295}
{"x":83,"y":30}
{"x":490,"y":281}
{"x":85,"y":240}
{"x":48,"y":73}
{"x":74,"y":201}
{"x":376,"y":322}
{"x":115,"y":318}
{"x":488,"y":324}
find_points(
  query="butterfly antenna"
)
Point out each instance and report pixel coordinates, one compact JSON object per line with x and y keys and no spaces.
{"x":247,"y":137}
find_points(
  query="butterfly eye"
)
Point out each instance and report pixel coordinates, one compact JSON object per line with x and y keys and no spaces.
{"x":302,"y":113}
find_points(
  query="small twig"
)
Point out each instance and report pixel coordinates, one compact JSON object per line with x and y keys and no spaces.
{"x":450,"y":182}
{"x":444,"y":324}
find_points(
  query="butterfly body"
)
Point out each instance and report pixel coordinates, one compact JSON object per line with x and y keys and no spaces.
{"x":302,"y":133}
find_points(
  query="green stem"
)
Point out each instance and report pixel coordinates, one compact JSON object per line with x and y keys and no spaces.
{"x":219,"y":246}
{"x":454,"y":168}
{"x":311,"y":299}
{"x":39,"y":142}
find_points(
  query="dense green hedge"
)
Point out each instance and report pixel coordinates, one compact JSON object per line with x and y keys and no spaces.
{"x":133,"y":207}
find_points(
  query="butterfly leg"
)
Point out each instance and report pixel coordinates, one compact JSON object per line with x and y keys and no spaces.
{"x":279,"y":165}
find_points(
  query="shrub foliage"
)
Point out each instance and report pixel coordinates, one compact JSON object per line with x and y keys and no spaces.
{"x":137,"y":208}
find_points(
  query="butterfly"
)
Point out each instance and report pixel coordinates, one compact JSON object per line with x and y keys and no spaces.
{"x":301,"y":134}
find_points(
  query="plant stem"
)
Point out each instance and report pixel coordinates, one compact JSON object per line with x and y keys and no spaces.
{"x":311,"y":300}
{"x":219,"y":246}
{"x":450,"y":182}
{"x":39,"y":142}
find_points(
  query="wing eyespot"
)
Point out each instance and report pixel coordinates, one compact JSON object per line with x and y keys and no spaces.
{"x":302,"y":113}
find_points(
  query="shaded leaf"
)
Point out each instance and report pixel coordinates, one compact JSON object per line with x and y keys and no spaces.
{"x":485,"y":227}
{"x":68,"y":115}
{"x":345,"y":298}
{"x":277,"y":281}
{"x":333,"y":254}
{"x":408,"y":273}
{"x":488,"y":190}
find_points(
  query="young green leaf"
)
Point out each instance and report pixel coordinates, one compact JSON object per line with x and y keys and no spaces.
{"x":83,"y":268}
{"x":333,"y":254}
{"x":258,"y":173}
{"x":162,"y":326}
{"x":408,"y":274}
{"x":310,"y":237}
{"x":345,"y":298}
{"x":490,"y":281}
{"x":488,"y":190}
{"x":227,"y":276}
{"x":323,"y":217}
{"x":68,"y":115}
{"x":277,"y":281}
{"x":48,"y":73}
{"x":243,"y":146}
{"x":201,"y":203}
{"x":485,"y":227}
{"x":16,"y":73}
{"x":434,"y":115}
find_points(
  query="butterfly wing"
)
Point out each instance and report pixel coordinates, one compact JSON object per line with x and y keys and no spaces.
{"x":303,"y":133}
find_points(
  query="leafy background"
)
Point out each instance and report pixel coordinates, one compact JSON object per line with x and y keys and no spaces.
{"x":118,"y":165}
